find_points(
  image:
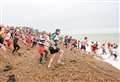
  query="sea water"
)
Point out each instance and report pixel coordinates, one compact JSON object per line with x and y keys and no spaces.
{"x":101,"y":38}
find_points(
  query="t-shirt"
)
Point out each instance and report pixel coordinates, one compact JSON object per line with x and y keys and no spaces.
{"x":54,"y":37}
{"x":41,"y":40}
{"x":54,"y":40}
{"x":7,"y":37}
{"x":15,"y":40}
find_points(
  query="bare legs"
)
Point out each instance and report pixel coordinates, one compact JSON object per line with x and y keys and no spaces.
{"x":60,"y":53}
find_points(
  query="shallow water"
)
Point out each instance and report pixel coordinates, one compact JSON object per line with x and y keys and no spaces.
{"x":110,"y":60}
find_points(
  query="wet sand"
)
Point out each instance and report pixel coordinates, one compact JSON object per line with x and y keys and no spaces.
{"x":77,"y":68}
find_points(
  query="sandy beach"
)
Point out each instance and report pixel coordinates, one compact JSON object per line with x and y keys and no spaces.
{"x":77,"y":68}
{"x":59,"y":41}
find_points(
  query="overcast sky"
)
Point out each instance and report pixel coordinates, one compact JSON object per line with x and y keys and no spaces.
{"x":72,"y":16}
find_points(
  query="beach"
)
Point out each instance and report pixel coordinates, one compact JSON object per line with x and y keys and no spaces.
{"x":77,"y":68}
{"x":59,"y":41}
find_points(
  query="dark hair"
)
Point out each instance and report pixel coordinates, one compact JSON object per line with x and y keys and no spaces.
{"x":57,"y":30}
{"x":116,"y":46}
{"x":0,"y":28}
{"x":85,"y":38}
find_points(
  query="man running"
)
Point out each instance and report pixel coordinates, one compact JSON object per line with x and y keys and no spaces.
{"x":84,"y":44}
{"x":42,"y":39}
{"x":15,"y":43}
{"x":54,"y":49}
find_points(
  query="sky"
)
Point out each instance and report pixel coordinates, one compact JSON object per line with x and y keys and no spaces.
{"x":71,"y":16}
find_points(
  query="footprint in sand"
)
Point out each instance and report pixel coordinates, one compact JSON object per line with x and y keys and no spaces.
{"x":11,"y":78}
{"x":7,"y":67}
{"x":74,"y":61}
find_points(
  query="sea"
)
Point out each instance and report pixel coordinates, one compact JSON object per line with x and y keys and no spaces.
{"x":99,"y":37}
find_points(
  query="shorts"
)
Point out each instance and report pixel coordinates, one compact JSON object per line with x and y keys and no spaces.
{"x":8,"y":42}
{"x":53,"y":51}
{"x":65,"y":43}
{"x":41,"y":49}
{"x":75,"y":46}
{"x":1,"y":40}
{"x":83,"y":47}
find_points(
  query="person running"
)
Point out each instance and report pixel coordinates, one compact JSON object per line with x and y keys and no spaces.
{"x":41,"y":47}
{"x":84,"y":44}
{"x":69,"y":42}
{"x":73,"y":44}
{"x":78,"y":44}
{"x":28,"y":39}
{"x":114,"y":51}
{"x":15,"y":43}
{"x":54,"y":49}
{"x":103,"y":50}
{"x":2,"y":33}
{"x":34,"y":41}
{"x":66,"y":41}
{"x":93,"y":48}
{"x":47,"y":44}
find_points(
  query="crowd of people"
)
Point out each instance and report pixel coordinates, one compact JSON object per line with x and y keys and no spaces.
{"x":13,"y":37}
{"x":91,"y":47}
{"x":46,"y":42}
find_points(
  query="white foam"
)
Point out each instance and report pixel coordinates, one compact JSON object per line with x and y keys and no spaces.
{"x":110,"y":59}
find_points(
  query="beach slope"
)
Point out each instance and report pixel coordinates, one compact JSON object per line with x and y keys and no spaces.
{"x":77,"y":68}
